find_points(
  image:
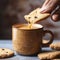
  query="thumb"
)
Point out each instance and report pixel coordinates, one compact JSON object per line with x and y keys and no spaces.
{"x":56,"y":15}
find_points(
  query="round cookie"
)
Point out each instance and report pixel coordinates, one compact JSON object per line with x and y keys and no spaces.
{"x":55,"y":46}
{"x":49,"y":55}
{"x":5,"y":53}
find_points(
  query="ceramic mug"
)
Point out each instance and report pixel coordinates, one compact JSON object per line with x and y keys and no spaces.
{"x":29,"y":41}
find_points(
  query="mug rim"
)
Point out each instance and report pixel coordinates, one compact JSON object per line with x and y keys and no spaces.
{"x":18,"y":25}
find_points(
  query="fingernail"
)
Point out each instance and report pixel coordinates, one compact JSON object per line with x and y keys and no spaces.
{"x":42,"y":10}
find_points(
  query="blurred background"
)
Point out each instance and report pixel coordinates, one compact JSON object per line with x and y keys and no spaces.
{"x":13,"y":11}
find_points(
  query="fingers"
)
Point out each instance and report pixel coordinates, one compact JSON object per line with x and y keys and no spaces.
{"x":49,"y":6}
{"x":56,"y":16}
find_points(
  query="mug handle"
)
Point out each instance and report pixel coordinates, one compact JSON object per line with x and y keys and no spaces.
{"x":51,"y":39}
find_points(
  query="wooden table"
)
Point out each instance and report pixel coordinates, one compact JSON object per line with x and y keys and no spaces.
{"x":8,"y":44}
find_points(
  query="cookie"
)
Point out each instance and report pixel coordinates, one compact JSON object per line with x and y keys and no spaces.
{"x":55,"y":59}
{"x":49,"y":55}
{"x":5,"y":53}
{"x":55,"y":46}
{"x":36,"y":16}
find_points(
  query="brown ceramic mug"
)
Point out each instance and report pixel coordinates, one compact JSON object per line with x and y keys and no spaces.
{"x":29,"y":41}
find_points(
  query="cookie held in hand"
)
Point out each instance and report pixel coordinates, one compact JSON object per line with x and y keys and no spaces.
{"x":5,"y":53}
{"x":36,"y":16}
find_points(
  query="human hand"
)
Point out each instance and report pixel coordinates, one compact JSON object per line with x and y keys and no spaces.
{"x":52,"y":6}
